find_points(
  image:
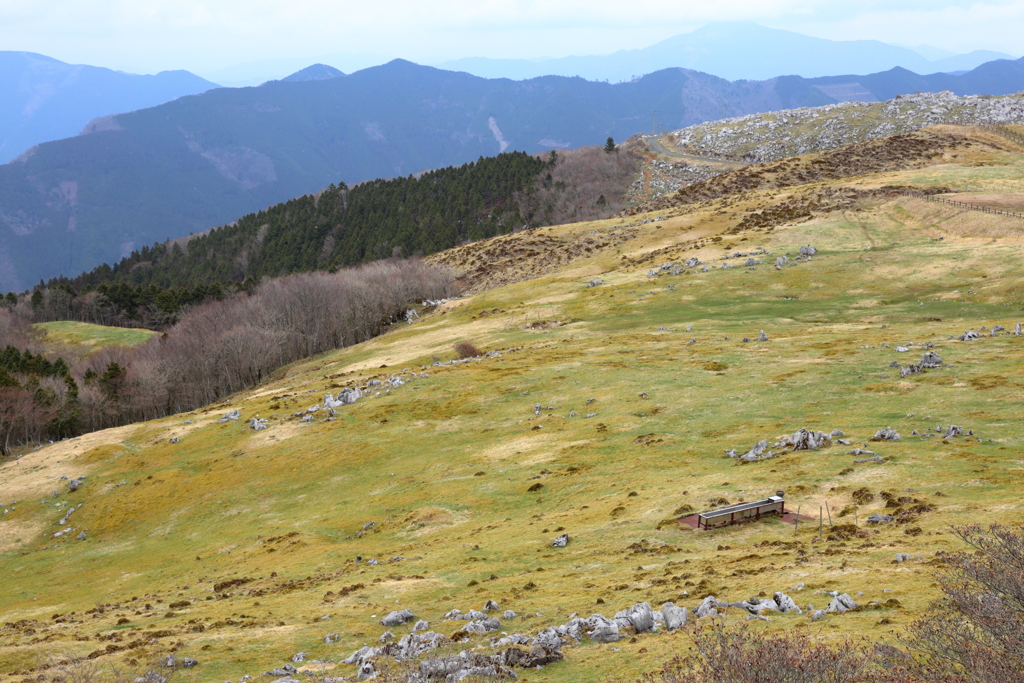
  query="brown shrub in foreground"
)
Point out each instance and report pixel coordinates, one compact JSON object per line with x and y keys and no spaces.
{"x":467,"y":350}
{"x":976,"y":633}
{"x":741,"y":654}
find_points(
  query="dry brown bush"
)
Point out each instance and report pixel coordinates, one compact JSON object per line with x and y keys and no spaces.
{"x":467,"y":350}
{"x":222,"y":347}
{"x":739,"y":654}
{"x":976,"y":633}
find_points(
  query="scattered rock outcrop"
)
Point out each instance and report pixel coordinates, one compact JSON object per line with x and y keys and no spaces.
{"x":887,"y":434}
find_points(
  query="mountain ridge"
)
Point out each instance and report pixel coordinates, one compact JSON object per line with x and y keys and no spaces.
{"x":46,"y":99}
{"x":197,"y":162}
{"x":201,"y":161}
{"x":733,"y":50}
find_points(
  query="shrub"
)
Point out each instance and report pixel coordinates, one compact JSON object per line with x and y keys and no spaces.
{"x":726,"y":654}
{"x":467,"y":350}
{"x":976,"y":632}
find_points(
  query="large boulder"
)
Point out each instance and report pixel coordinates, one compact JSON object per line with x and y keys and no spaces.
{"x":415,"y":644}
{"x":707,"y":608}
{"x":841,"y":604}
{"x":756,"y":452}
{"x":398,"y":617}
{"x":602,"y":629}
{"x":786,"y":603}
{"x":806,"y":440}
{"x":345,"y":397}
{"x":675,"y":617}
{"x":640,"y":616}
{"x":548,"y":638}
{"x":887,"y":434}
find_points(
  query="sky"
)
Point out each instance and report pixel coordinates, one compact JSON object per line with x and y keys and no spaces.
{"x":146,"y":36}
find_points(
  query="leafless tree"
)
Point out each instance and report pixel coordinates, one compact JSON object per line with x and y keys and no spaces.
{"x":976,"y":632}
{"x":585,"y":184}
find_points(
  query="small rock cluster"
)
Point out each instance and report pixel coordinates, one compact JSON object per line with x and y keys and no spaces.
{"x":665,"y":178}
{"x":801,"y":440}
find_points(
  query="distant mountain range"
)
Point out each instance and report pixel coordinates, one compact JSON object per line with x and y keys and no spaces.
{"x":44,"y":99}
{"x":315,"y":72}
{"x":732,"y":50}
{"x":1000,"y":77}
{"x":254,"y":73}
{"x":202,"y":161}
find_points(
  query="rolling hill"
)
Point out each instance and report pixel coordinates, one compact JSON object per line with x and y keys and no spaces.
{"x":622,"y":366}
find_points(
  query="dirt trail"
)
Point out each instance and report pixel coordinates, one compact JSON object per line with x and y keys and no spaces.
{"x":658,"y":147}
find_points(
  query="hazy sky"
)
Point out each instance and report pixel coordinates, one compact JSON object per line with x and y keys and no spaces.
{"x":145,"y":36}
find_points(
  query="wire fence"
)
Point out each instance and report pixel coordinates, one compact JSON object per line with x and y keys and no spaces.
{"x":1008,"y":134}
{"x":965,"y":205}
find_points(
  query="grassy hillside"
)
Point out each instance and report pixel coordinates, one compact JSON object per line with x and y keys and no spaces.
{"x":239,"y":548}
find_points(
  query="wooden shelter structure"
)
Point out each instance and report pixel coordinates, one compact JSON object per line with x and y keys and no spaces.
{"x":772,"y":505}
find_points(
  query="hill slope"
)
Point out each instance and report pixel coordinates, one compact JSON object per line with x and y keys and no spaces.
{"x":789,"y":133}
{"x":43,"y":99}
{"x":342,"y":226}
{"x":602,"y":411}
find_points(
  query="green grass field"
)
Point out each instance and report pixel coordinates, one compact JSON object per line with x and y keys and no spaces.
{"x":447,"y":465}
{"x":92,"y":337}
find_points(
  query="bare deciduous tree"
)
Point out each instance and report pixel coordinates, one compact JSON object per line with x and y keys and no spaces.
{"x":976,"y":633}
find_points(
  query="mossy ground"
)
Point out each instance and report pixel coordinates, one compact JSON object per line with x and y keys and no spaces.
{"x":444,"y":464}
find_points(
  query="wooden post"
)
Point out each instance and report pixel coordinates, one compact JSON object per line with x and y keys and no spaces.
{"x":829,"y":513}
{"x":796,"y":522}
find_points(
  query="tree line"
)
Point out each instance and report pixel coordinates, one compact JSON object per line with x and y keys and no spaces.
{"x":217,"y":348}
{"x":339,"y":227}
{"x":116,"y":304}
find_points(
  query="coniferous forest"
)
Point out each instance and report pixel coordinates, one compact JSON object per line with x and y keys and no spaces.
{"x":338,"y":227}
